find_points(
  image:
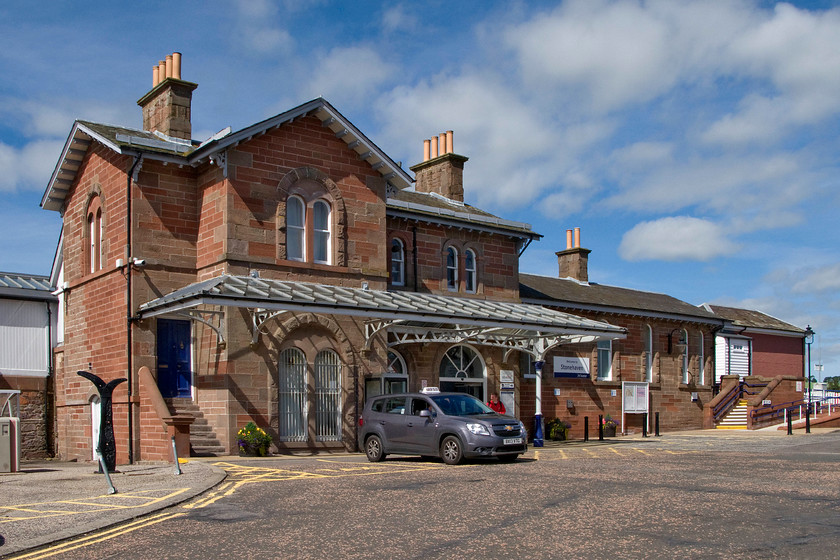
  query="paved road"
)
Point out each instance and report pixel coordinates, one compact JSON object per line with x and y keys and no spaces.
{"x":703,"y":495}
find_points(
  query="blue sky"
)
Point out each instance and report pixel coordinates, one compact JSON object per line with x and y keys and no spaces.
{"x":694,"y":143}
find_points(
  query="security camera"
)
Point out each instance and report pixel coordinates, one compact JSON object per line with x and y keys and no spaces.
{"x":138,"y":262}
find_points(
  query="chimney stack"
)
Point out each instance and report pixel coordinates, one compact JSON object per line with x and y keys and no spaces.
{"x":167,"y":107}
{"x":442,"y":170}
{"x":574,"y":261}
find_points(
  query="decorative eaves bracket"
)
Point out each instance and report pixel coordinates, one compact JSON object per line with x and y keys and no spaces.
{"x":260,"y":317}
{"x":208,"y":318}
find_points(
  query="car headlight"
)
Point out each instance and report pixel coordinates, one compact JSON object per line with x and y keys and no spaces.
{"x":478,"y":429}
{"x":522,"y":427}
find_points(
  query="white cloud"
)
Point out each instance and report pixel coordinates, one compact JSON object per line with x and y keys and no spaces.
{"x":255,"y":27}
{"x":29,"y":167}
{"x":349,"y":75}
{"x":819,"y":280}
{"x":396,"y":18}
{"x":680,"y":238}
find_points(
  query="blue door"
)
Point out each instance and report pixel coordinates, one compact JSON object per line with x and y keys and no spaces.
{"x":173,"y":354}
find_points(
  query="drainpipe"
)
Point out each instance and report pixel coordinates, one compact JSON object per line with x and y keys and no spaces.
{"x":129,"y":317}
{"x":48,"y":403}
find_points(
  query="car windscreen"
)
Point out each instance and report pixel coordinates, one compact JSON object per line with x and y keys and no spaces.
{"x":461,"y":405}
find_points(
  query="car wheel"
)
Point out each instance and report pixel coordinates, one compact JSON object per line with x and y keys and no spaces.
{"x":373,"y":449}
{"x":451,"y":451}
{"x":508,"y":458}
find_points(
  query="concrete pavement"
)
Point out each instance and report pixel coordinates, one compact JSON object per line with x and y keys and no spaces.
{"x":48,"y":501}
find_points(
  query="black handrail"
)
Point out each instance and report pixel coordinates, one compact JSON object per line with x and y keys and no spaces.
{"x":727,"y":402}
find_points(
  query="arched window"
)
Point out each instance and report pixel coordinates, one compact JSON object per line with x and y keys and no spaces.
{"x":684,"y":364}
{"x":647,"y":342}
{"x":94,"y":234}
{"x":292,"y":405}
{"x":701,"y":367}
{"x":470,"y":273}
{"x":462,"y":370}
{"x":321,"y":232}
{"x":604,"y":360}
{"x":295,"y":228}
{"x":452,"y":269}
{"x":327,"y":396}
{"x":397,"y":263}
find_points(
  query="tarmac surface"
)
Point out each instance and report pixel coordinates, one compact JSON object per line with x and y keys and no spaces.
{"x":49,"y":501}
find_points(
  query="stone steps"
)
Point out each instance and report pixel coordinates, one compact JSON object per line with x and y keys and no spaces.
{"x":203,"y":440}
{"x":735,"y":419}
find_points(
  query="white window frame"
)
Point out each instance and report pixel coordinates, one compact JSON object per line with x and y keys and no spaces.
{"x":452,"y":269}
{"x":648,"y":331}
{"x":322,"y":236}
{"x":684,"y":336}
{"x":470,"y":273}
{"x":300,"y":247}
{"x":604,"y":351}
{"x":397,"y":262}
{"x":293,"y":404}
{"x":701,"y":367}
{"x":328,"y":405}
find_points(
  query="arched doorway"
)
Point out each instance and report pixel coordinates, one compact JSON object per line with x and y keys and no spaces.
{"x":462,"y":370}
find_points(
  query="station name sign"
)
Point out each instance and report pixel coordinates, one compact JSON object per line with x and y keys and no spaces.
{"x":573,"y":368}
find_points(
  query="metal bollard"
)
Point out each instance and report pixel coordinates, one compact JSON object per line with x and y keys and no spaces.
{"x":808,"y":419}
{"x":789,"y":421}
{"x":600,"y":427}
{"x":644,"y":425}
{"x":175,"y":454}
{"x":586,"y":428}
{"x":656,"y":422}
{"x":104,"y":467}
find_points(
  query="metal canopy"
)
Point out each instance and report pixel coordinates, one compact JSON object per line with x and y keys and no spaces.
{"x":411,"y":317}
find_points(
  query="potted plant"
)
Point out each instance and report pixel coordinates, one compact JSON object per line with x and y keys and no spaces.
{"x":557,"y":430}
{"x":609,"y":425}
{"x":253,"y":440}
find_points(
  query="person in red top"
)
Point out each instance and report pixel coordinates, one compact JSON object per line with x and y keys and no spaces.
{"x":496,"y":404}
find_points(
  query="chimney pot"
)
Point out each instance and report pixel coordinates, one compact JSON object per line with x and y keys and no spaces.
{"x":155,"y":78}
{"x":450,"y":148}
{"x":169,"y":66}
{"x":568,"y":239}
{"x":577,"y":237}
{"x":427,"y":146}
{"x":434,"y":147}
{"x":176,"y":65}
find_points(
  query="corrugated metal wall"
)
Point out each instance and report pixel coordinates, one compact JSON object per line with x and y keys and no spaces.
{"x":23,"y":338}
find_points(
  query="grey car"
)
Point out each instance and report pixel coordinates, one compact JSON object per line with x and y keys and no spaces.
{"x":451,"y":426}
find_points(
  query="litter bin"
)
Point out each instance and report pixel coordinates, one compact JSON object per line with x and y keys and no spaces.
{"x":9,"y":444}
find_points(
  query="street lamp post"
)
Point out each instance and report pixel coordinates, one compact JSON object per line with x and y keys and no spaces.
{"x":809,"y":339}
{"x":538,"y":428}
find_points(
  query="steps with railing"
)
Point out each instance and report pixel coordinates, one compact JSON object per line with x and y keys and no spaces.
{"x":735,"y":418}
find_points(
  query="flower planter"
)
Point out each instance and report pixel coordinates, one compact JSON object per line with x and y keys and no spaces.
{"x":250,"y":451}
{"x":609,"y":431}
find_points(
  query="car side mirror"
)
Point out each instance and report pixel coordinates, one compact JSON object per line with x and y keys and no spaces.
{"x":426,"y":413}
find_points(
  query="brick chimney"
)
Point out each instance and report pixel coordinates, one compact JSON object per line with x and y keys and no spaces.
{"x":574,"y":261}
{"x":440,"y":173}
{"x":166,"y":108}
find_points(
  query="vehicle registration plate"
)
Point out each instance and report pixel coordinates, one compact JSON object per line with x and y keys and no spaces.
{"x":513,"y":441}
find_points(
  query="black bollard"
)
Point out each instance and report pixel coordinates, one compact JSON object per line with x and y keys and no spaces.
{"x":656,"y":422}
{"x":808,"y":419}
{"x":790,"y":421}
{"x":600,"y":427}
{"x":586,"y":428}
{"x":644,"y":425}
{"x":107,"y":443}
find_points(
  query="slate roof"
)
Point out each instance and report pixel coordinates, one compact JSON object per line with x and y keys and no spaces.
{"x":439,"y":209}
{"x":131,"y":141}
{"x":749,"y":318}
{"x":570,"y":294}
{"x":26,"y":286}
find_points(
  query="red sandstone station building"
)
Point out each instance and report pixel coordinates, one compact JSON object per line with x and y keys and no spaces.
{"x":284,"y":273}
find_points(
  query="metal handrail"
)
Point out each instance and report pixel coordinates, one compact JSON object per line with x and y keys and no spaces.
{"x":772,"y":412}
{"x":727,"y":402}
